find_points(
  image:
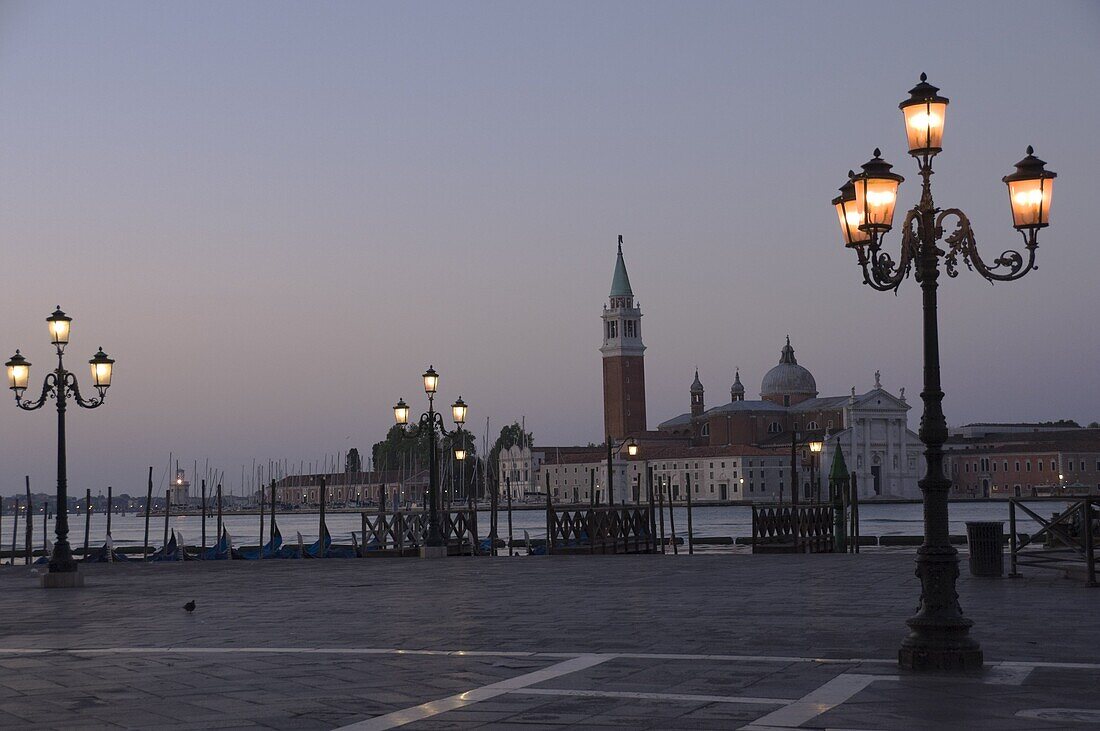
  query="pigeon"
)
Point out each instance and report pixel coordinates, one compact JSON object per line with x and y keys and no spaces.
{"x":190,"y":606}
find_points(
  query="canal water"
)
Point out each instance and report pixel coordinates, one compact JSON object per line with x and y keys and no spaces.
{"x":710,"y":521}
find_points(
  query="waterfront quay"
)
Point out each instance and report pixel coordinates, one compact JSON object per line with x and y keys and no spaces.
{"x":639,"y":641}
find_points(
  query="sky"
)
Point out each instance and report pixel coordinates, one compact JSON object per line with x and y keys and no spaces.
{"x":276,"y":215}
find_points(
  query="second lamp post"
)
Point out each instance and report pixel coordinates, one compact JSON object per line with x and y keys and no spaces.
{"x":431,"y":422}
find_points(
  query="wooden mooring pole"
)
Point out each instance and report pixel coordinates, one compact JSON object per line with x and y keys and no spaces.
{"x":29,"y":532}
{"x":672,"y":520}
{"x":691,"y":534}
{"x":321,"y":528}
{"x":167,"y":515}
{"x":87,"y":519}
{"x":110,"y":508}
{"x":221,"y":527}
{"x":202,"y":549}
{"x":148,"y":507}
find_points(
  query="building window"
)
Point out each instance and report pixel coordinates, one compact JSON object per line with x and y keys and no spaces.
{"x":786,"y":400}
{"x":775,"y":427}
{"x":1053,"y":468}
{"x":812,"y":426}
{"x":705,"y":431}
{"x":1017,"y":466}
{"x":630,"y":328}
{"x":1027,"y":465}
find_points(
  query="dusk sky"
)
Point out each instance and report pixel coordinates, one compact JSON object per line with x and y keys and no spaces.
{"x":275,"y":216}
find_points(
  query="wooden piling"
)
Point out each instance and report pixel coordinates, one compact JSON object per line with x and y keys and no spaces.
{"x":652,"y":508}
{"x":691,"y":534}
{"x":148,"y":507}
{"x":855,"y":514}
{"x":272,"y":531}
{"x":110,"y":495}
{"x":661,"y":516}
{"x":167,"y":515}
{"x":202,"y":549}
{"x":29,"y":532}
{"x":87,"y":519}
{"x":508,"y":484}
{"x":321,"y":528}
{"x":260,"y":555}
{"x":220,"y":524}
{"x":45,"y":528}
{"x":672,"y":521}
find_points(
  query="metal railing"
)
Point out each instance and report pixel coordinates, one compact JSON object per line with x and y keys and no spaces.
{"x":1068,"y":537}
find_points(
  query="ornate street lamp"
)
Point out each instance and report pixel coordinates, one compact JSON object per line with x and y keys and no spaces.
{"x":431,"y":422}
{"x":613,"y":448}
{"x":940,"y":634}
{"x":60,"y":385}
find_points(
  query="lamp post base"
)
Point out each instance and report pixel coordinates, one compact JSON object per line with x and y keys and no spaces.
{"x":61,"y":580}
{"x":433,"y":552}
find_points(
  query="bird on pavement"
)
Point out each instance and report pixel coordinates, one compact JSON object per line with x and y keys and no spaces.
{"x":190,"y":606}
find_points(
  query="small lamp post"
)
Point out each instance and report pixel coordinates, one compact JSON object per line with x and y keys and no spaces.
{"x":61,"y":384}
{"x":939,"y":637}
{"x":431,"y":422}
{"x":815,"y":449}
{"x":613,"y":448}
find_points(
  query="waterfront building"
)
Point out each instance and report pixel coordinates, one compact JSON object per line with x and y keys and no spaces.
{"x":352,"y":489}
{"x":750,"y":440}
{"x":1024,"y":462}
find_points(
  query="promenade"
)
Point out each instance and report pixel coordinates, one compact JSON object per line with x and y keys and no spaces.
{"x":709,"y":642}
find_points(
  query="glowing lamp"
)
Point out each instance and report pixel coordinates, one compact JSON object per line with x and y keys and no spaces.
{"x":815,"y":447}
{"x":924,"y":113}
{"x":850,"y":217}
{"x":19,"y":372}
{"x":632,"y":448}
{"x":460,"y":454}
{"x":458,"y":411}
{"x":59,"y":328}
{"x":876,"y":194}
{"x":102,"y":369}
{"x":401,"y":412}
{"x":1029,"y":192}
{"x":431,"y":381}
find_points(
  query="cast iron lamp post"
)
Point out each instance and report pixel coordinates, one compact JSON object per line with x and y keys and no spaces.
{"x":431,"y":422}
{"x":60,"y":385}
{"x":940,"y":634}
{"x":614,"y":448}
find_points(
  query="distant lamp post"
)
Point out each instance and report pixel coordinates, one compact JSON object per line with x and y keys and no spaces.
{"x":60,"y":384}
{"x":939,"y":637}
{"x":815,"y":449}
{"x":430,"y":423}
{"x":613,"y":448}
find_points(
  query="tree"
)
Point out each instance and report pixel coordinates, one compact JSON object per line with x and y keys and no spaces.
{"x":397,"y":450}
{"x":1094,"y":425}
{"x":510,"y":436}
{"x":353,"y":463}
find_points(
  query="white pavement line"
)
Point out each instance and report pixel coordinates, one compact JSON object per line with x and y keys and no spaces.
{"x":434,"y":708}
{"x":655,"y":696}
{"x":761,"y":658}
{"x":816,"y":702}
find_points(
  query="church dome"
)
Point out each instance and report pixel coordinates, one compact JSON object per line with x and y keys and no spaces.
{"x":788,"y":379}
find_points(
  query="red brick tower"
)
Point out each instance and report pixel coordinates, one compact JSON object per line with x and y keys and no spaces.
{"x":623,"y":364}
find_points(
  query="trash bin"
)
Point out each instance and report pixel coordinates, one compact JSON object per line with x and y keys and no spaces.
{"x":986,"y":542}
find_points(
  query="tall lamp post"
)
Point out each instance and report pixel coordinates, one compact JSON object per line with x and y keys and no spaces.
{"x":60,"y":385}
{"x":431,"y":422}
{"x":614,"y":448}
{"x":940,"y":634}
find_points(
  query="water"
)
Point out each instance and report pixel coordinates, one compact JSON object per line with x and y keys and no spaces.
{"x":709,"y":521}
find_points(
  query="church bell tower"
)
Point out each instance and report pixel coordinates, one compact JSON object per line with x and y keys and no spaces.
{"x":623,"y":364}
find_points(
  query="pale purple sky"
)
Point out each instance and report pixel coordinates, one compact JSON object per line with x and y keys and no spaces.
{"x":276,"y":215}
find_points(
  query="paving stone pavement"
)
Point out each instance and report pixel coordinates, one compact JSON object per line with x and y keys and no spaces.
{"x":713,"y":641}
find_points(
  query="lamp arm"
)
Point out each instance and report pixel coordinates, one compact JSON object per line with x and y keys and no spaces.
{"x":92,"y":403}
{"x":879,"y":269}
{"x":49,"y":383}
{"x":1008,"y":266}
